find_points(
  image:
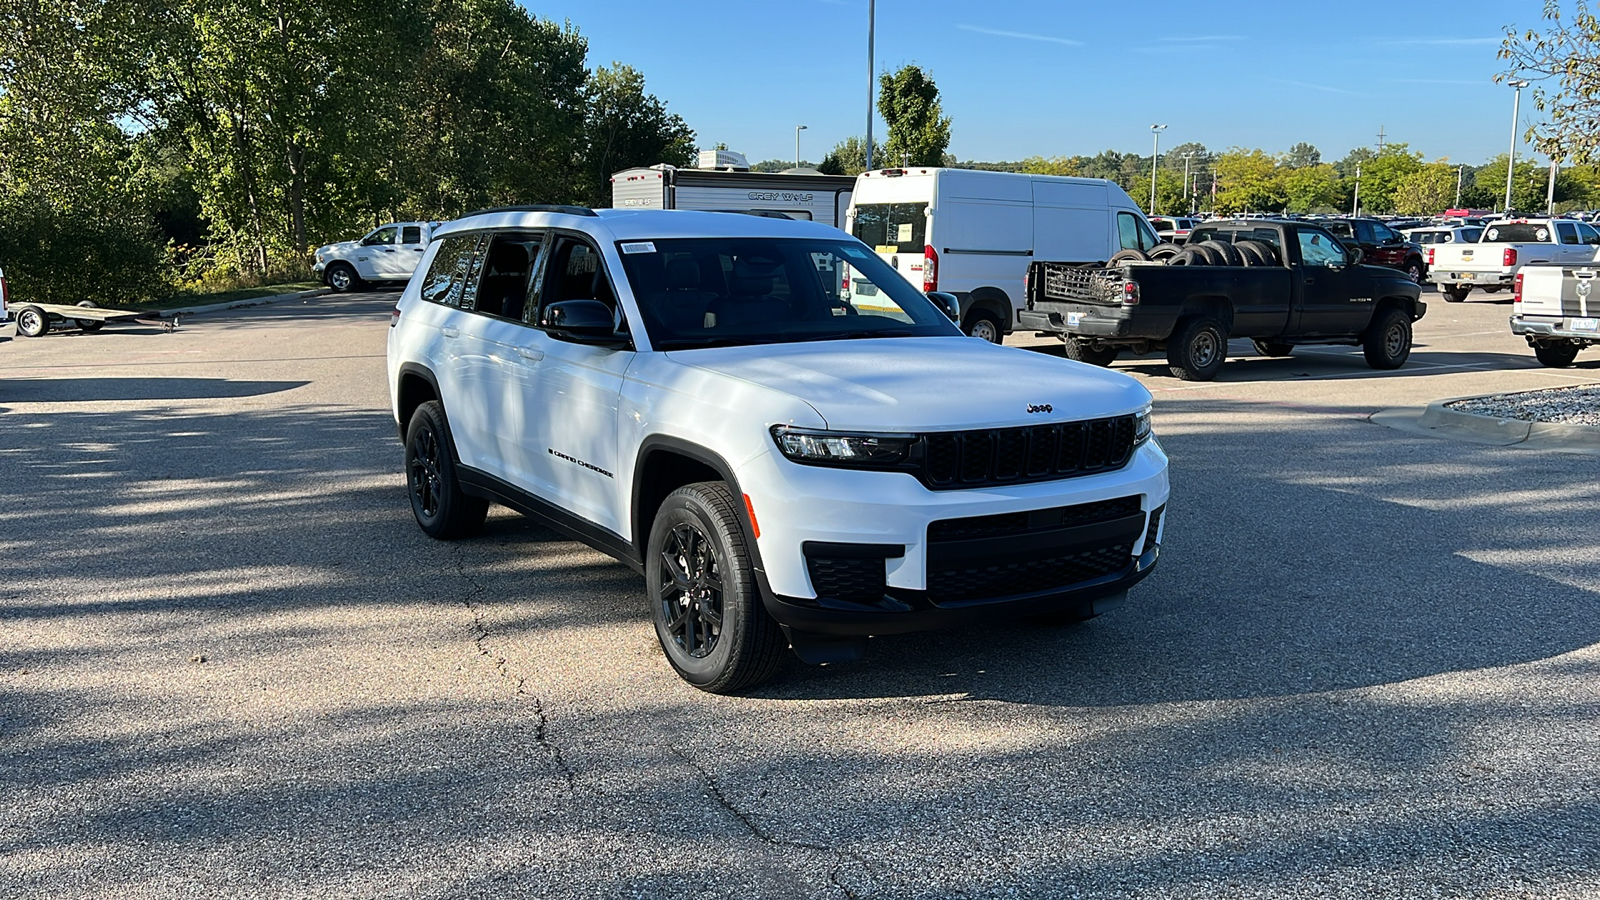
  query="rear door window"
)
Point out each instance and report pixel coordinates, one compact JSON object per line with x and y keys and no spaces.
{"x":411,"y":234}
{"x":892,"y":227}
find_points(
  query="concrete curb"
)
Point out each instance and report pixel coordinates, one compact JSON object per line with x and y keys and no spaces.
{"x":238,"y":304}
{"x":1437,"y":419}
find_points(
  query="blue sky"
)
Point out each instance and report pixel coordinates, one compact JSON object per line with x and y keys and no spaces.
{"x":1026,"y":77}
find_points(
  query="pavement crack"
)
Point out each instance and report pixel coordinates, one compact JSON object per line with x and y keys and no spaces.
{"x":502,"y":667}
{"x":761,"y":834}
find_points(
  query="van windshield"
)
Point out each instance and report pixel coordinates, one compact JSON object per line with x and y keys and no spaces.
{"x":721,"y":292}
{"x":892,"y":227}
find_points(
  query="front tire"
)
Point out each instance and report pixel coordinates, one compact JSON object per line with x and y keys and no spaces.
{"x":1556,"y":354}
{"x":32,"y":322}
{"x":1415,"y":270}
{"x":342,"y":278}
{"x":703,"y":596}
{"x":1198,"y":350}
{"x":1387,"y":343}
{"x":443,"y":510}
{"x":1084,"y":353}
{"x":984,"y":325}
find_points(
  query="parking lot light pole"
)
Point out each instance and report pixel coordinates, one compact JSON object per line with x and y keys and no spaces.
{"x":1511,"y":158}
{"x":872,"y":19}
{"x":1460,"y":170}
{"x":1186,"y":193}
{"x":797,"y":130}
{"x":1155,"y":154}
{"x":1355,"y":208}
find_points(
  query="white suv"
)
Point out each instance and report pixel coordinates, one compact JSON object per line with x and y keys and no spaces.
{"x":792,"y":444}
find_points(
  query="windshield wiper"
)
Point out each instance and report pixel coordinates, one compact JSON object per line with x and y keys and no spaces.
{"x":852,"y":335}
{"x":685,"y":343}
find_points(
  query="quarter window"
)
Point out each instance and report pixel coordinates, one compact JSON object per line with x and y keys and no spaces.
{"x":453,"y":273}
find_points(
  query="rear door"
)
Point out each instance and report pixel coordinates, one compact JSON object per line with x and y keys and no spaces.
{"x":408,"y":252}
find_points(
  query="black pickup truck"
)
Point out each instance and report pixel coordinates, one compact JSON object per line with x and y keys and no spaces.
{"x":1279,"y":283}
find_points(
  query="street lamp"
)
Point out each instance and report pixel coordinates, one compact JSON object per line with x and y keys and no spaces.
{"x":1155,"y":134}
{"x":1511,"y":158}
{"x":1187,"y":194}
{"x":872,"y":21}
{"x":1460,"y":171}
{"x":797,"y":130}
{"x":1355,"y":208}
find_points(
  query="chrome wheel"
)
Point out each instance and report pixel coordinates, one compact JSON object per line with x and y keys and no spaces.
{"x":691,"y":591}
{"x":339,"y":279}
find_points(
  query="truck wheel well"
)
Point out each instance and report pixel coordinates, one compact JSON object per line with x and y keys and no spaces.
{"x":661,"y":473}
{"x":1213,"y":306}
{"x":414,"y":391}
{"x":1401,"y":303}
{"x":991,"y":300}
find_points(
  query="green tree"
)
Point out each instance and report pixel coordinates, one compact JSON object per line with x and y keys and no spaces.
{"x":1247,"y":180}
{"x":849,"y":157}
{"x":1360,"y":156}
{"x":1169,"y":193}
{"x":1381,"y":176}
{"x":1052,"y":165}
{"x":1312,"y":187}
{"x":1488,"y":189}
{"x":1302,"y":156}
{"x":1428,"y":191}
{"x":919,"y":132}
{"x":627,"y":127}
{"x":1563,"y":61}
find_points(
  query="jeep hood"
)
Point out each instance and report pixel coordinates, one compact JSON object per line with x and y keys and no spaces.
{"x":925,"y":384}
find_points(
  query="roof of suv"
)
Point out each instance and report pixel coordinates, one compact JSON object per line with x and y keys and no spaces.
{"x":631,"y":224}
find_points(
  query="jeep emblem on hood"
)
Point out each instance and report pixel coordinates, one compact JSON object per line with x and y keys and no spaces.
{"x":1040,"y":408}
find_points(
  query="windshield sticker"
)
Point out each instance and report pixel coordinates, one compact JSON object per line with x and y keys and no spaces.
{"x":1494,"y":234}
{"x":639,"y":247}
{"x":856,"y":252}
{"x":1543,"y":233}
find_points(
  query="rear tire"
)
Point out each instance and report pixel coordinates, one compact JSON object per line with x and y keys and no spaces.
{"x":89,"y":324}
{"x":1198,"y":349}
{"x":1273,"y":348}
{"x":1491,"y":288}
{"x":32,"y":322}
{"x":443,"y":510}
{"x":1556,"y":354}
{"x":703,"y":596}
{"x":985,"y":325}
{"x":1084,"y":353}
{"x":1387,"y":343}
{"x":1456,"y":293}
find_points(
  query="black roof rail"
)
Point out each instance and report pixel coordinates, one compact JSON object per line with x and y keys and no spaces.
{"x":535,"y":207}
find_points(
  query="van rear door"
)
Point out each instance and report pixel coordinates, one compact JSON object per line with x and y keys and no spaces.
{"x":898,"y":232}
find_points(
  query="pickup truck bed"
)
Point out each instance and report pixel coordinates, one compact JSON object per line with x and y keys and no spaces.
{"x":1192,"y":311}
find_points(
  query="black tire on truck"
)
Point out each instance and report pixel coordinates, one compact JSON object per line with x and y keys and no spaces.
{"x":1191,"y":256}
{"x":1257,"y":253}
{"x":1198,"y":348}
{"x":1415,"y":270}
{"x":89,"y":324}
{"x":1456,"y":293}
{"x":703,"y":596}
{"x":1273,"y":348}
{"x":1556,"y":354}
{"x":342,"y":278}
{"x":443,"y":510}
{"x":1387,"y":343}
{"x":1227,"y":252}
{"x":32,"y":322}
{"x":1164,"y":252}
{"x":1084,"y":353}
{"x":1126,"y":256}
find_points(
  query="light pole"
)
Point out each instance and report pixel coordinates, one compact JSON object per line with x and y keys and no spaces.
{"x":1187,"y":194}
{"x":797,"y":130}
{"x":1550,"y":192}
{"x":1355,"y":208}
{"x":1460,"y":170}
{"x":1511,"y":158}
{"x":1155,"y":154}
{"x":872,"y":21}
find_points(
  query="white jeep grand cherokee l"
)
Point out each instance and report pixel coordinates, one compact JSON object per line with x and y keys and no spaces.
{"x":793,"y":445}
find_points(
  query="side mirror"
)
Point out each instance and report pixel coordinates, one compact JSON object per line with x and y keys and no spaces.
{"x":581,"y":322}
{"x":947,"y":302}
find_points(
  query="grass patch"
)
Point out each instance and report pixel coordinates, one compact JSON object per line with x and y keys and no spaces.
{"x":266,"y":290}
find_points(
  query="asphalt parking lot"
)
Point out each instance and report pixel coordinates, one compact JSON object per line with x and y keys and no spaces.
{"x":231,"y":665}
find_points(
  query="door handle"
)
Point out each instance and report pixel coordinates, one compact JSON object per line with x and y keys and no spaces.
{"x":1311,"y":281}
{"x":450,"y":332}
{"x":530,"y":354}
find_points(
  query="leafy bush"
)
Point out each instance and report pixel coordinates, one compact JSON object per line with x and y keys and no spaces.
{"x":52,"y":255}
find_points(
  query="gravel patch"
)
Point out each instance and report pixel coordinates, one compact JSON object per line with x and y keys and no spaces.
{"x":1570,"y":406}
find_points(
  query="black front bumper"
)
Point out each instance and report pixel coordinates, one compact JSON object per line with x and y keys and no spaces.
{"x":1056,"y":561}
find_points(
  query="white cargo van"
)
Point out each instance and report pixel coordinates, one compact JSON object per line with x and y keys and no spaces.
{"x":973,"y":233}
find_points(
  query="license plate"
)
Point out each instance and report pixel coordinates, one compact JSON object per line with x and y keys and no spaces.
{"x":1468,"y":276}
{"x":1074,"y":318}
{"x":1585,"y":325}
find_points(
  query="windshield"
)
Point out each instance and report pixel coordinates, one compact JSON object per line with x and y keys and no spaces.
{"x":1517,"y":233}
{"x":718,"y":292}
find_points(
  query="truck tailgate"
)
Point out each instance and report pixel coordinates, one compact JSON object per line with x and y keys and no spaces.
{"x":1557,"y":292}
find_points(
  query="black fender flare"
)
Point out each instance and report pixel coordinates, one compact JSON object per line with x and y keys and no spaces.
{"x":402,"y":416}
{"x":711,"y":460}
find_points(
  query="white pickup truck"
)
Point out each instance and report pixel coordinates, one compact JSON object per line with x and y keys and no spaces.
{"x":387,"y":253}
{"x":1557,"y":310}
{"x":1505,"y":247}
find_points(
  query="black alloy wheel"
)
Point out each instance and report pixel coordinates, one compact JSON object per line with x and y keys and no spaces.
{"x":1415,"y":271}
{"x":691,"y":591}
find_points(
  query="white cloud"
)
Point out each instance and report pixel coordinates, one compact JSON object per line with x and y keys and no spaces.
{"x":1023,"y":35}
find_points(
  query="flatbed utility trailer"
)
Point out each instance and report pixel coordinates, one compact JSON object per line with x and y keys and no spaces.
{"x":35,"y":319}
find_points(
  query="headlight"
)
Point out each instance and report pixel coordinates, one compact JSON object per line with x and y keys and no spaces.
{"x":838,"y":448}
{"x":1141,"y":426}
